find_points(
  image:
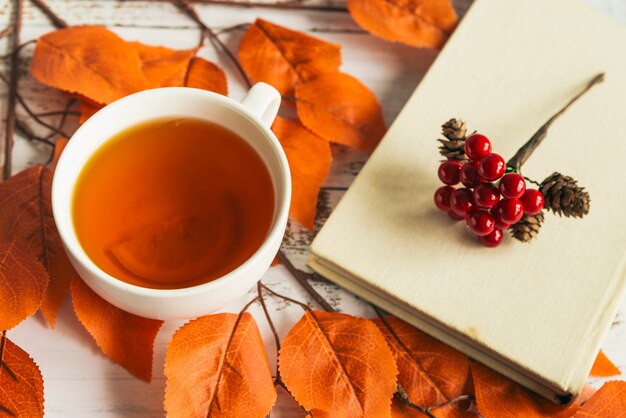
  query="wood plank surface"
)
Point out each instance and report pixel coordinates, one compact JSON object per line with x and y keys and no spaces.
{"x":79,"y":381}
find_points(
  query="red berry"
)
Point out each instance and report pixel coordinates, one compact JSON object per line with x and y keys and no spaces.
{"x":469,"y":174}
{"x":461,"y":201}
{"x":533,"y":201}
{"x":512,"y":185}
{"x":480,"y":222}
{"x":486,"y":195}
{"x":491,"y":167}
{"x":442,"y":197}
{"x":449,"y":172}
{"x":477,"y":146}
{"x":493,"y":239}
{"x":454,"y":216}
{"x":509,"y":211}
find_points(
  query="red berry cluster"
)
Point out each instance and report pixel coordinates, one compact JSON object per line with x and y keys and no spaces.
{"x":487,"y":205}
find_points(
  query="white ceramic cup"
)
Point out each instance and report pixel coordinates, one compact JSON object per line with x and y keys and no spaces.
{"x":251,"y":119}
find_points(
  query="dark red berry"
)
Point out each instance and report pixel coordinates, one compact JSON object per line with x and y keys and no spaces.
{"x":509,"y":211}
{"x":512,"y":185}
{"x":533,"y":202}
{"x":493,"y":239}
{"x":480,"y":222}
{"x":454,"y":216}
{"x":461,"y":201}
{"x":486,"y":195}
{"x":491,"y":167}
{"x":449,"y":172}
{"x":500,"y":224}
{"x":442,"y":197}
{"x":477,"y":146}
{"x":469,"y":174}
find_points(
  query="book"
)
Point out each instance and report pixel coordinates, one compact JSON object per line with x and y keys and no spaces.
{"x":536,"y":312}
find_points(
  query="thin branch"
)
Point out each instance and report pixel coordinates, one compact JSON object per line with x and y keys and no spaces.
{"x":191,"y":12}
{"x":459,"y":398}
{"x":241,"y":26}
{"x":527,"y":149}
{"x":54,"y":18}
{"x":405,"y":400}
{"x":6,"y":31}
{"x":14,"y":74}
{"x":32,"y":114}
{"x":259,"y":289}
{"x":290,"y":4}
{"x":21,"y":126}
{"x":298,"y":275}
{"x":287,"y":298}
{"x":58,"y":112}
{"x":17,"y":49}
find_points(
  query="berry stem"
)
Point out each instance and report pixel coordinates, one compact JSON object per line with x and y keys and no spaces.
{"x":522,"y":155}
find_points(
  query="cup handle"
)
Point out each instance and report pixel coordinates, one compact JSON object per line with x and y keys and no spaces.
{"x":263,"y":101}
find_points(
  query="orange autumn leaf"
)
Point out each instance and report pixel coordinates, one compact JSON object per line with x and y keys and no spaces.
{"x":21,"y":384}
{"x":419,"y":23}
{"x":430,"y":372}
{"x":205,"y":75}
{"x":87,"y":109}
{"x":26,"y":207}
{"x":23,"y":282}
{"x":126,"y":338}
{"x":603,"y":367}
{"x":89,"y":60}
{"x":336,"y":365}
{"x":283,"y":57}
{"x":339,"y":108}
{"x":161,"y":66}
{"x":216,"y":366}
{"x":309,"y":160}
{"x":608,"y":402}
{"x":500,"y":397}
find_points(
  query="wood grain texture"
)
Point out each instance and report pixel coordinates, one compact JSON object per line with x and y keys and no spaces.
{"x":80,"y":382}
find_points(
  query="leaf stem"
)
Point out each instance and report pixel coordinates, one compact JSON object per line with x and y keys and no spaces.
{"x":459,"y":398}
{"x":522,"y":155}
{"x":298,"y":275}
{"x":405,"y":400}
{"x":54,"y":18}
{"x":13,"y":82}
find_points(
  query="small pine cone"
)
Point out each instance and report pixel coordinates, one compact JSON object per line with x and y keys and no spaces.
{"x":453,"y":147}
{"x":528,"y":227}
{"x":564,"y":196}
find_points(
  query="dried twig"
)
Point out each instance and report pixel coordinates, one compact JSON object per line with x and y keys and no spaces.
{"x":13,"y":81}
{"x":289,"y":4}
{"x":190,"y":10}
{"x":6,"y":31}
{"x":54,"y":18}
{"x":298,"y":275}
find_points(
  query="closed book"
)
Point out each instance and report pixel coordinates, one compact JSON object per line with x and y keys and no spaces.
{"x":536,"y":312}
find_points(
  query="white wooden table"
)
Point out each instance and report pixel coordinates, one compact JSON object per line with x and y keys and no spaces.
{"x":79,"y":380}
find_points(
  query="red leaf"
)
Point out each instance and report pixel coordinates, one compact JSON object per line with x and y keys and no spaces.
{"x":207,"y":76}
{"x":431,"y":373}
{"x":23,"y":281}
{"x":336,"y":365}
{"x":419,"y":23}
{"x":603,"y":367}
{"x":339,"y":108}
{"x":608,"y":402}
{"x":21,"y":384}
{"x":216,"y":366}
{"x":499,"y":397}
{"x":309,"y":160}
{"x":26,"y":207}
{"x":126,"y":338}
{"x":283,"y":57}
{"x":89,"y":60}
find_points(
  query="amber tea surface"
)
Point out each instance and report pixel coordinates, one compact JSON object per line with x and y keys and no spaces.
{"x":173,"y":203}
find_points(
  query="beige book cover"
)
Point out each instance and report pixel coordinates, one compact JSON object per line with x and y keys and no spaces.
{"x":537,"y":311}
